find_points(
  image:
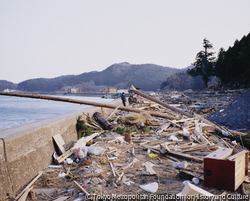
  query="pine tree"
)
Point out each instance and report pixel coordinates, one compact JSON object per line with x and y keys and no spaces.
{"x":204,"y":64}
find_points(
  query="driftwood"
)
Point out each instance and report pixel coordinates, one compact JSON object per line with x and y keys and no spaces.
{"x":103,"y":122}
{"x":129,"y":109}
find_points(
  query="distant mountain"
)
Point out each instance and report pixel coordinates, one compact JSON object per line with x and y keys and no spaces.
{"x":4,"y":84}
{"x":148,"y":77}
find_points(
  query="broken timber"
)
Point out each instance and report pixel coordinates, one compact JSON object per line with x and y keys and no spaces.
{"x":129,"y":109}
{"x":217,"y":128}
{"x":133,"y":89}
{"x":68,"y":153}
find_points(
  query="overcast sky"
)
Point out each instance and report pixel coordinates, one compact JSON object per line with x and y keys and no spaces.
{"x":50,"y":38}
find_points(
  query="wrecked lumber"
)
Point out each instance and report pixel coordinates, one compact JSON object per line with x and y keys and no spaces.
{"x":68,"y":153}
{"x":133,"y":89}
{"x":217,"y":128}
{"x":129,"y":109}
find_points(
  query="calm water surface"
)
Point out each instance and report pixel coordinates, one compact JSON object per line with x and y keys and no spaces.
{"x":16,"y":111}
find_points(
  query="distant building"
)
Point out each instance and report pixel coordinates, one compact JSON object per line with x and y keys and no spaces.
{"x":122,"y":90}
{"x":74,"y":90}
{"x":10,"y":90}
{"x":110,"y":90}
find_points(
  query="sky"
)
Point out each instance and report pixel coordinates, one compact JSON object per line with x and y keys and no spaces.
{"x":51,"y":38}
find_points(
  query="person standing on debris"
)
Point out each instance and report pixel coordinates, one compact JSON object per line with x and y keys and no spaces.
{"x":123,"y":99}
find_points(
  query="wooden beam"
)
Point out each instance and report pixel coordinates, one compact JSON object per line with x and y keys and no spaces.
{"x":129,"y":109}
{"x":81,"y":188}
{"x":110,"y":115}
{"x":59,"y":142}
{"x":149,"y":169}
{"x":221,"y":153}
{"x":133,"y":89}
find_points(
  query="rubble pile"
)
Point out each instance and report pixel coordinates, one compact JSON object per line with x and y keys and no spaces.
{"x":235,"y":115}
{"x":143,"y":155}
{"x":201,"y":102}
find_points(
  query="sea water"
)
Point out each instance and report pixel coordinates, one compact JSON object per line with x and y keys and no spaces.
{"x":16,"y":111}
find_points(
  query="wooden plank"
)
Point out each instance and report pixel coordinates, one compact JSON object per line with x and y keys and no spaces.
{"x":111,"y":114}
{"x":186,"y":156}
{"x":81,"y":188}
{"x":30,"y":184}
{"x":163,"y":127}
{"x":59,"y":142}
{"x":191,"y":189}
{"x":119,"y":178}
{"x":61,"y":198}
{"x":149,"y":106}
{"x":112,"y":169}
{"x":195,"y":147}
{"x":236,"y":155}
{"x":127,"y":166}
{"x":221,"y":153}
{"x":185,"y":120}
{"x":239,"y":169}
{"x":201,"y":136}
{"x":149,"y":169}
{"x":25,"y":194}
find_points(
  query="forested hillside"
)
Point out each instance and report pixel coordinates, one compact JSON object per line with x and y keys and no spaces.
{"x":233,"y":65}
{"x":4,"y":84}
{"x":148,"y":77}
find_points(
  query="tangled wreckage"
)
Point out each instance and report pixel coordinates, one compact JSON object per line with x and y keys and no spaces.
{"x":150,"y":150}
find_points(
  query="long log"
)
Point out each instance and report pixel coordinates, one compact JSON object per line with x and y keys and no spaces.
{"x":133,"y":89}
{"x":103,"y":122}
{"x":129,"y":109}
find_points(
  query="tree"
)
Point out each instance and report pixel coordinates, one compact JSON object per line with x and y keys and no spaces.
{"x":233,"y":66}
{"x":204,"y":64}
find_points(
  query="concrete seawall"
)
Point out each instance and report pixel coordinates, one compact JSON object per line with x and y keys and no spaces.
{"x":28,"y":149}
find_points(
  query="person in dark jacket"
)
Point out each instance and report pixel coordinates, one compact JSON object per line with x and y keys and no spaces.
{"x":123,"y":99}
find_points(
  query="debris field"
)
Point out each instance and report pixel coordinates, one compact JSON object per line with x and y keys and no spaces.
{"x":141,"y":154}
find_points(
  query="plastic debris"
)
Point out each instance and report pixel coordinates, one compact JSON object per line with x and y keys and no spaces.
{"x":153,"y":155}
{"x":69,"y":161}
{"x":195,"y":180}
{"x":80,"y":152}
{"x":185,"y":182}
{"x":55,"y":166}
{"x":173,"y":138}
{"x":95,"y":150}
{"x":180,"y":165}
{"x":61,"y":174}
{"x":151,"y":187}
